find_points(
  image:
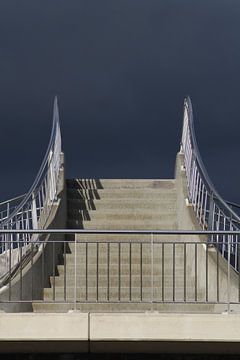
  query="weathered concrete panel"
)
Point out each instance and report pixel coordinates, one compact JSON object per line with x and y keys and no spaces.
{"x":43,"y":332}
{"x":155,"y":332}
{"x":120,"y":332}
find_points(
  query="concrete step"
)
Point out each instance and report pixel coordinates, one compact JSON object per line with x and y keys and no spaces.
{"x":123,"y":225}
{"x":120,"y":183}
{"x":124,"y":243}
{"x":128,"y":307}
{"x":114,"y":269}
{"x":126,"y":237}
{"x":113,"y":293}
{"x":120,"y":214}
{"x":113,"y":280}
{"x":167,"y":203}
{"x":125,"y":260}
{"x":132,"y":194}
{"x":113,"y":257}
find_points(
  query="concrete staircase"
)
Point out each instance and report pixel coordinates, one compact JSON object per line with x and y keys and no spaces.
{"x":121,"y":272}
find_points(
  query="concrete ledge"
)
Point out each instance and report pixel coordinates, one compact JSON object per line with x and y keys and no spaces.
{"x":155,"y":332}
{"x":164,"y":327}
{"x":43,"y":332}
{"x":120,"y":332}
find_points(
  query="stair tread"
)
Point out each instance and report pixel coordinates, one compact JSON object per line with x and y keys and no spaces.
{"x":119,"y":183}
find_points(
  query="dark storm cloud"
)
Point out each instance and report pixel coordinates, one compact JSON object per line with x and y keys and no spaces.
{"x":121,"y":70}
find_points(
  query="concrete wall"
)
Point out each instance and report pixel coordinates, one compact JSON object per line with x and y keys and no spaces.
{"x":120,"y":333}
{"x":29,"y":283}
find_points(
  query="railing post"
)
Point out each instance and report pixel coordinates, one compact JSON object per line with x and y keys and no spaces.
{"x":75,"y":274}
{"x":228,"y":279}
{"x":152,"y":283}
{"x":211,"y":216}
{"x":191,"y":178}
{"x":34,"y":212}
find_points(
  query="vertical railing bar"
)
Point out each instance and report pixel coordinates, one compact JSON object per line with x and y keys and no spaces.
{"x":224,"y":236}
{"x":108,"y":270}
{"x":192,"y":178}
{"x":86,"y":261}
{"x":152,"y":265}
{"x":21,"y":277}
{"x":65,"y":270}
{"x":32,"y":270}
{"x":228,"y":279}
{"x":217,"y":272}
{"x":235,"y":253}
{"x":196,"y":193}
{"x":201,"y":205}
{"x":130,"y":271}
{"x":173,"y":271}
{"x":43,"y":270}
{"x":185,"y":271}
{"x":10,"y":272}
{"x":141,"y":273}
{"x":206,"y":272}
{"x":162,"y":271}
{"x":97,"y":249}
{"x":193,"y":184}
{"x":53,"y":261}
{"x":238,"y":269}
{"x":119,"y":271}
{"x":199,"y":200}
{"x":205,"y":209}
{"x":75,"y":273}
{"x":196,"y":270}
{"x":218,"y":224}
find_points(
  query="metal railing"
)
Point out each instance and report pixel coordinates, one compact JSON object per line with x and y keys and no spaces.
{"x":212,"y":212}
{"x":8,"y":206}
{"x":155,"y":268}
{"x":31,"y":211}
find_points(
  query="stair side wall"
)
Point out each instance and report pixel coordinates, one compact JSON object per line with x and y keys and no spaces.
{"x":187,"y":220}
{"x":32,"y":278}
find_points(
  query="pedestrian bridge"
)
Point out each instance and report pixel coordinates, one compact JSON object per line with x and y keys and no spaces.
{"x":120,"y":264}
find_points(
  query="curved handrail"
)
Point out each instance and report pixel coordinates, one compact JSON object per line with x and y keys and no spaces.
{"x":55,"y":127}
{"x":212,"y":212}
{"x":33,"y":209}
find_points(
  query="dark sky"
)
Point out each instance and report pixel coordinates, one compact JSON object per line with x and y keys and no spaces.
{"x":121,"y":69}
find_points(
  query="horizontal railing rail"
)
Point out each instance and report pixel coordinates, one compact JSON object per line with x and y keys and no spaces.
{"x":212,"y":212}
{"x":32,"y":210}
{"x":149,"y":269}
{"x":120,"y":232}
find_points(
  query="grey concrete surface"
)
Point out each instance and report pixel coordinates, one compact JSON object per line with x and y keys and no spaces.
{"x":120,"y":332}
{"x":137,"y":204}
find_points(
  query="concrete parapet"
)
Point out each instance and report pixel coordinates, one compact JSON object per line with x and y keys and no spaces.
{"x":120,"y":332}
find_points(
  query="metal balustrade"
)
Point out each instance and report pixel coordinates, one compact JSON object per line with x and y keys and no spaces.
{"x":31,"y":211}
{"x":8,"y":206}
{"x":23,"y":219}
{"x":212,"y":212}
{"x":151,"y":271}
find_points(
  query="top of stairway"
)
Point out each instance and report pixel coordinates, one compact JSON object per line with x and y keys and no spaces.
{"x":120,"y":183}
